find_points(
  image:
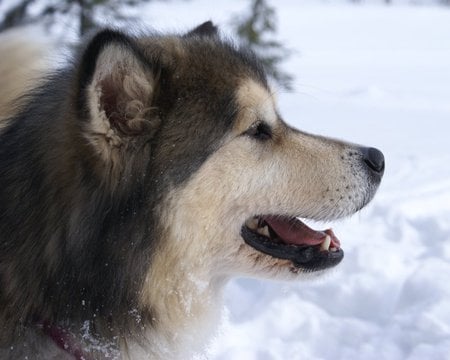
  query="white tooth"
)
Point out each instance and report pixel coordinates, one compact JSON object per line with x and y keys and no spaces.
{"x":264,"y":231}
{"x":326,"y":244}
{"x":333,"y":249}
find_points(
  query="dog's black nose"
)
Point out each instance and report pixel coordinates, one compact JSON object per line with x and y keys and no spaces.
{"x":374,"y":159}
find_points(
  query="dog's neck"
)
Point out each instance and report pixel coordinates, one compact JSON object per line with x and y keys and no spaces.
{"x":186,"y":314}
{"x":186,"y":306}
{"x":64,"y":339}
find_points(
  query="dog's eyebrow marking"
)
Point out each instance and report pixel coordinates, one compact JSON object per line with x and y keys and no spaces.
{"x":255,"y":103}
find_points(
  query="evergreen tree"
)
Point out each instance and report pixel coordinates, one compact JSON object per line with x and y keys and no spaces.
{"x":257,"y":30}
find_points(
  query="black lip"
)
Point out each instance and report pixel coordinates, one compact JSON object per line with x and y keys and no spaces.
{"x":305,"y":257}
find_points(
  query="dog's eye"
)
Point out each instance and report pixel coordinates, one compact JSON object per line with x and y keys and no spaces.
{"x":260,"y":131}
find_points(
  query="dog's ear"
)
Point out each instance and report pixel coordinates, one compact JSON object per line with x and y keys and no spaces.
{"x":207,"y":29}
{"x":117,"y":86}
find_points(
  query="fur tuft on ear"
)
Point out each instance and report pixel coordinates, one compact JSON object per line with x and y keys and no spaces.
{"x":207,"y":29}
{"x":117,"y":88}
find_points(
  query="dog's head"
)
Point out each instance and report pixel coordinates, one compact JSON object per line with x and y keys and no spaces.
{"x":194,"y":119}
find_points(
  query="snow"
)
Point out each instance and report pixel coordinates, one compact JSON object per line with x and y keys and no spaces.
{"x":377,"y":75}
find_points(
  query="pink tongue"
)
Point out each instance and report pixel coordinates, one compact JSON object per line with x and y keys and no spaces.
{"x":293,"y":231}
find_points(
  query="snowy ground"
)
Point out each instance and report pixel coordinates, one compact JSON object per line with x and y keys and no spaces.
{"x":380,"y":76}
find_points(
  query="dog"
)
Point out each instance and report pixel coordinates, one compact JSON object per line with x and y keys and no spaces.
{"x":137,"y":180}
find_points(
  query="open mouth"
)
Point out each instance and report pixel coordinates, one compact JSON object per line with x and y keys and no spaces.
{"x":291,"y":239}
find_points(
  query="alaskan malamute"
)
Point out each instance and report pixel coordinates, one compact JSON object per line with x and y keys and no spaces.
{"x":138,"y":180}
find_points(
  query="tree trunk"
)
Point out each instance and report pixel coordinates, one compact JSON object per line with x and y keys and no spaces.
{"x":85,"y":23}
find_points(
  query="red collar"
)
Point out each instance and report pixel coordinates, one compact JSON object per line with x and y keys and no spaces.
{"x":65,"y":340}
